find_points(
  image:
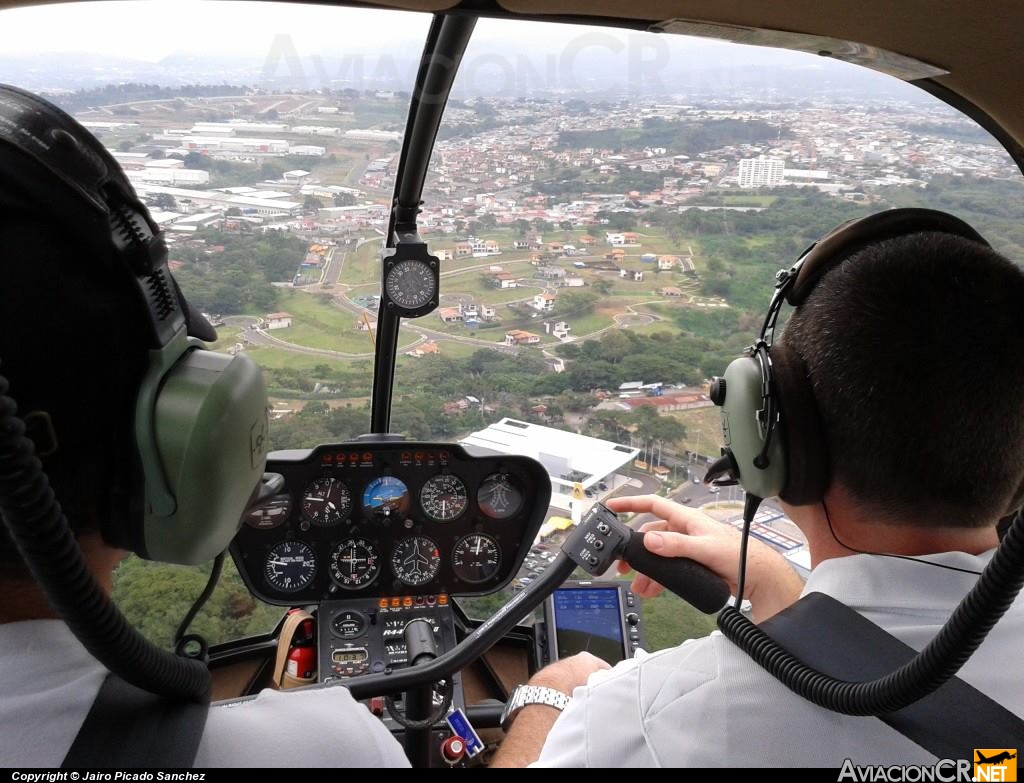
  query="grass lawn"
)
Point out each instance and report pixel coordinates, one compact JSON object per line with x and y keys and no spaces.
{"x":703,"y":429}
{"x":321,"y":324}
{"x":591,"y":322}
{"x":362,"y":266}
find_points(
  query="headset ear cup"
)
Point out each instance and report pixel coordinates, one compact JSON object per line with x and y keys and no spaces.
{"x":807,"y":463}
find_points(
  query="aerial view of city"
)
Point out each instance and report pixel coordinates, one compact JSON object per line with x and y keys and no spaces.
{"x":604,"y":251}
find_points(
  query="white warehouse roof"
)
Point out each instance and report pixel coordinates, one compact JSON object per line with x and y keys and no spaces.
{"x":560,"y":452}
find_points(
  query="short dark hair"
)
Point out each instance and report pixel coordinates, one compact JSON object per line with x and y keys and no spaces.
{"x":71,"y":344}
{"x":910,"y":347}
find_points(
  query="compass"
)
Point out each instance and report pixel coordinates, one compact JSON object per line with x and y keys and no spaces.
{"x":410,"y":281}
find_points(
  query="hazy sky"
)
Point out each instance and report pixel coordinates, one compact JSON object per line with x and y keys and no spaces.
{"x":152,"y":29}
{"x":558,"y":55}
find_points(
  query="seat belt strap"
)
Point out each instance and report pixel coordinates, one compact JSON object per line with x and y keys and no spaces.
{"x":834,"y":639}
{"x":129,"y":727}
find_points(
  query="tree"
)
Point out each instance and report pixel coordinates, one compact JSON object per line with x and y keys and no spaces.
{"x":165,"y":201}
{"x":522,"y":227}
{"x":344,"y":199}
{"x":565,"y":225}
{"x":126,"y":145}
{"x":615,"y":346}
{"x":311,"y":204}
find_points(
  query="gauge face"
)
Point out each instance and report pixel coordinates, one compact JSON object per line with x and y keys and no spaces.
{"x":386,"y":497}
{"x":290,"y":566}
{"x":349,"y":625}
{"x":499,"y":496}
{"x":444,"y":497}
{"x":271,"y":514}
{"x":326,"y":502}
{"x":476,"y":558}
{"x":354,"y":564}
{"x":416,"y":560}
{"x":410,"y":284}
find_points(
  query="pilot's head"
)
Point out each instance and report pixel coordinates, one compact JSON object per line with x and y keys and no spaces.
{"x":910,"y":345}
{"x":72,"y":348}
{"x":145,"y":437}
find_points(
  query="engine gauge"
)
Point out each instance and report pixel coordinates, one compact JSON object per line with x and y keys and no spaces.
{"x":290,"y":566}
{"x":444,"y":497}
{"x":386,"y":497}
{"x":416,"y":560}
{"x":271,"y":514}
{"x":354,"y":564}
{"x":326,"y":502}
{"x":476,"y":558}
{"x":499,"y":496}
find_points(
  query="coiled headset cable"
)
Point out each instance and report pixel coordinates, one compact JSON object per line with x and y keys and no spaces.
{"x":967,"y":627}
{"x":40,"y":531}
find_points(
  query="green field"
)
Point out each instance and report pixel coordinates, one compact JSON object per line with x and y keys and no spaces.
{"x":703,"y":429}
{"x":323,"y":324}
{"x":362,"y":266}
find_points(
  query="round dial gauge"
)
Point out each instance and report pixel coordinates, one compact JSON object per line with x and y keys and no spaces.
{"x":349,"y":624}
{"x":386,"y":497}
{"x":290,"y":566}
{"x":444,"y":497}
{"x":354,"y":563}
{"x":326,"y":502}
{"x":270,"y":515}
{"x":476,"y":558}
{"x":410,"y":284}
{"x":416,"y":560}
{"x":499,"y":496}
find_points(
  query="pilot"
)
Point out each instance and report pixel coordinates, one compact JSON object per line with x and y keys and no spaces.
{"x":907,"y":343}
{"x":72,"y":346}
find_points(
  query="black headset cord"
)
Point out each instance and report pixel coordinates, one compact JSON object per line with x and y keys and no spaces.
{"x":40,"y":531}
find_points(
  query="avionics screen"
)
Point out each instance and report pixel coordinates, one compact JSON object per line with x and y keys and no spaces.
{"x":588,"y":619}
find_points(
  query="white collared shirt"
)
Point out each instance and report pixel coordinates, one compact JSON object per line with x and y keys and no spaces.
{"x":48,"y":683}
{"x":705,"y":703}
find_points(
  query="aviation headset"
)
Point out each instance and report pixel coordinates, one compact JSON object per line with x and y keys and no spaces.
{"x":774,"y":442}
{"x":200,"y":416}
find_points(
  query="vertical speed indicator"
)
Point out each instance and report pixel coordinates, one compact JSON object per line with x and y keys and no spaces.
{"x":476,"y":558}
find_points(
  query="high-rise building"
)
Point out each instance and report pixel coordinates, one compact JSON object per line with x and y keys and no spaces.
{"x":760,"y":172}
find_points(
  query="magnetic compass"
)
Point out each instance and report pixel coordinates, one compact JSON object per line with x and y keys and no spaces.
{"x":411,"y":280}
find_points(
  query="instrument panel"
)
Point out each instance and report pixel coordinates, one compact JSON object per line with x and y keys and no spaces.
{"x":390,"y":518}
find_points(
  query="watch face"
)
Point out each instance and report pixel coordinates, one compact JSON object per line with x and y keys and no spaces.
{"x":410,"y":284}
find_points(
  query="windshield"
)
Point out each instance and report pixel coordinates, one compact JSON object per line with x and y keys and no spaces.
{"x":608,"y":207}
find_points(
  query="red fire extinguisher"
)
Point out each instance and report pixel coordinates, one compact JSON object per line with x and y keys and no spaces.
{"x":302,"y":653}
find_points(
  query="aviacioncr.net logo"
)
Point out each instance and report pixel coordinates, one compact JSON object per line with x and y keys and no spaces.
{"x":995,"y":764}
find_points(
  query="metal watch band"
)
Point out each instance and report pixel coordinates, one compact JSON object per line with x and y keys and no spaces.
{"x":525,"y":695}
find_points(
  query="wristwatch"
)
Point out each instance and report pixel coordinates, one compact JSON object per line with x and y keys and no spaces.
{"x":531,"y":694}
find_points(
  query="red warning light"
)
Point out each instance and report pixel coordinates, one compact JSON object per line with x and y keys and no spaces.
{"x":327,"y":459}
{"x":353,"y":457}
{"x":419,"y":456}
{"x":367,"y":456}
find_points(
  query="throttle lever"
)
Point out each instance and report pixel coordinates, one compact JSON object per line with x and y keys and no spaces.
{"x":601,"y":539}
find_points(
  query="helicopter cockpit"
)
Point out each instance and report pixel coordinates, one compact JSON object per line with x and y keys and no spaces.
{"x":409,"y":540}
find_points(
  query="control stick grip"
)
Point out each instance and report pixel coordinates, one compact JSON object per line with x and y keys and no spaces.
{"x":693,"y":582}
